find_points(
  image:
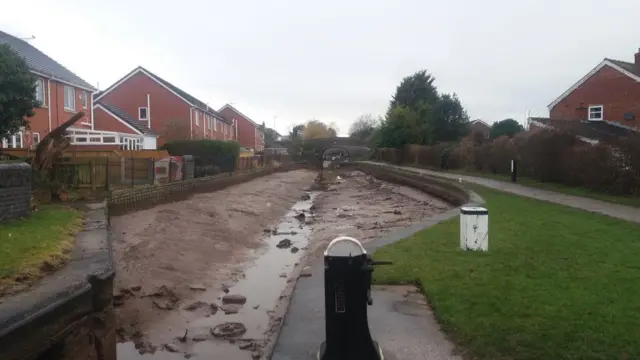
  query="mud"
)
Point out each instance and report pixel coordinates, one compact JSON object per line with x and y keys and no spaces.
{"x":209,"y":277}
{"x":358,"y":205}
{"x":188,"y":254}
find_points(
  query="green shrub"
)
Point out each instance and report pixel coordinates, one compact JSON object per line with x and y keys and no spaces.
{"x":205,"y":148}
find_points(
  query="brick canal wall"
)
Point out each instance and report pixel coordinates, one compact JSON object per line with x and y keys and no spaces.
{"x":124,"y":201}
{"x":441,"y":188}
{"x":15,"y":190}
{"x":67,"y":315}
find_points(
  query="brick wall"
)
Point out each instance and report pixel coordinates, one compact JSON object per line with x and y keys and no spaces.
{"x":128,"y":200}
{"x":15,"y":190}
{"x":617,"y":93}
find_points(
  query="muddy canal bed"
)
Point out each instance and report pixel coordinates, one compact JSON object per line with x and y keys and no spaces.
{"x":176,"y":262}
{"x":360,"y":206}
{"x":210,"y":277}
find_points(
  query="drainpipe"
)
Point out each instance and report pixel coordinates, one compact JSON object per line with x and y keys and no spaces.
{"x":235,"y":125}
{"x":149,"y":111}
{"x":49,"y":101}
{"x":92,"y":126}
{"x":191,"y":122}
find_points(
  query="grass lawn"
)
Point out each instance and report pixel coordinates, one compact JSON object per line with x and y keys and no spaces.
{"x":556,"y":283}
{"x":576,"y":191}
{"x":27,"y":244}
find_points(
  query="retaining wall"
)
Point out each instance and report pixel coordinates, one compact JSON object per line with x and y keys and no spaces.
{"x":443,"y":189}
{"x":124,"y":201}
{"x":15,"y":190}
{"x":67,"y":315}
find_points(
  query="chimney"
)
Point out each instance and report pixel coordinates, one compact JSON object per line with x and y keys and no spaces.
{"x":637,"y":58}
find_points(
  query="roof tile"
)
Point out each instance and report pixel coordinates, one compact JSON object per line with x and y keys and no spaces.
{"x":137,"y":124}
{"x":40,"y":62}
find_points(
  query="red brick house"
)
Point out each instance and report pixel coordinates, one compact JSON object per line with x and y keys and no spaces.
{"x":248,"y":133}
{"x":610,"y":92}
{"x":129,"y":133}
{"x":60,"y":92}
{"x":479,"y":126}
{"x":162,"y":108}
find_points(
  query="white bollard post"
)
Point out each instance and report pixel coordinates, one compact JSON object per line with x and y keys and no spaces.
{"x":474,"y":228}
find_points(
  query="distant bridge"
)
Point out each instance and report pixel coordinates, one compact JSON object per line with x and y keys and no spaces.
{"x":354,"y":147}
{"x":336,"y":142}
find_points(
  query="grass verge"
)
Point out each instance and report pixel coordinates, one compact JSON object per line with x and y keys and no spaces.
{"x":38,"y":244}
{"x":560,"y":188}
{"x":557,"y":282}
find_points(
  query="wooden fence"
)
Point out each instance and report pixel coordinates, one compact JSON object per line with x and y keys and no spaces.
{"x":140,"y":154}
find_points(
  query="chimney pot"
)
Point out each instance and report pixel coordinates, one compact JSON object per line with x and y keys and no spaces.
{"x":637,"y":58}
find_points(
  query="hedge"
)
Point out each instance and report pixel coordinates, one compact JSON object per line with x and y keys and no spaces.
{"x":546,"y":156}
{"x":203,"y":148}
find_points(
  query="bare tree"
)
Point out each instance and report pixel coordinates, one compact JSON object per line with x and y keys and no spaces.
{"x":364,"y":126}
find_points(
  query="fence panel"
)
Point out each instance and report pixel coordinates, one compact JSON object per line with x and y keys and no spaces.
{"x":207,"y":166}
{"x":104,"y":173}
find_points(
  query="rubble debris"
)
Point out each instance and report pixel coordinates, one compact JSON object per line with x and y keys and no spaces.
{"x":294,"y":249}
{"x":234,"y":299}
{"x":171,"y":348}
{"x":165,"y":304}
{"x":163,"y":298}
{"x":306,"y":272}
{"x":206,"y":308}
{"x":284,"y":244}
{"x":184,"y":337}
{"x":228,"y":330}
{"x":197,"y":287}
{"x":305,"y":197}
{"x":230,"y":308}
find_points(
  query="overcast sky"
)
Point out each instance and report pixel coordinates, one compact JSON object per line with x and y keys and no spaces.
{"x":336,"y":59}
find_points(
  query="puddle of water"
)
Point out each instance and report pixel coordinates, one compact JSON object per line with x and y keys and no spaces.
{"x":266,"y":278}
{"x":264,"y":281}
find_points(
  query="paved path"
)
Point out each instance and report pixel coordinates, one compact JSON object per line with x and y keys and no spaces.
{"x":623,"y":212}
{"x":404,"y":327}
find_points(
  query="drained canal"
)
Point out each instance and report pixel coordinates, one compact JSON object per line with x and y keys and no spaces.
{"x":218,"y":288}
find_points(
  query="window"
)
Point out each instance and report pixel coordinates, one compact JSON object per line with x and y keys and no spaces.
{"x":15,"y":141}
{"x":109,"y":139}
{"x":83,"y":99}
{"x":142,"y":113}
{"x":209,"y":123}
{"x":36,"y":139}
{"x":595,"y":112}
{"x":40,"y":91}
{"x":197,"y":119}
{"x":69,"y":98}
{"x":215,"y":124}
